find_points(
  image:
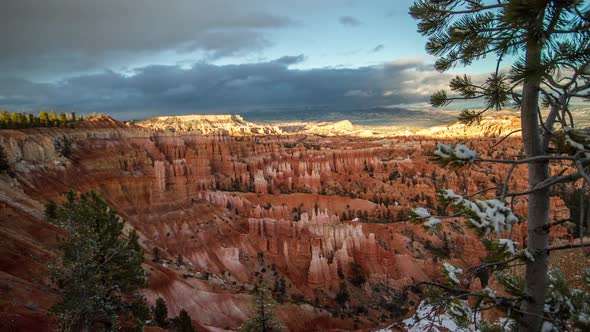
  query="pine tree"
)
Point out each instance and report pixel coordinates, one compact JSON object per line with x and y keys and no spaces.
{"x":50,"y":210}
{"x":179,"y":260}
{"x":22,"y":119}
{"x":547,"y":37}
{"x":30,"y":121}
{"x":4,"y":119}
{"x":343,"y":296}
{"x":140,"y":311}
{"x":3,"y":160}
{"x":15,"y":120}
{"x":183,"y":322}
{"x":357,"y":276}
{"x":279,"y":290}
{"x":161,"y":312}
{"x":64,"y":146}
{"x":263,"y":309}
{"x":98,"y":265}
{"x":62,"y":119}
{"x":35,"y":121}
{"x":53,"y":119}
{"x":43,"y":118}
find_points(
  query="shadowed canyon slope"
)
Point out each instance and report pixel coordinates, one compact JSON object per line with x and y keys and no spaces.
{"x":241,"y":201}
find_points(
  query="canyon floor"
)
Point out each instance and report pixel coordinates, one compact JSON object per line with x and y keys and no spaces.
{"x":316,"y":205}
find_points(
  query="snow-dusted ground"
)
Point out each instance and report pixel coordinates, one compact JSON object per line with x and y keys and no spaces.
{"x":426,"y":319}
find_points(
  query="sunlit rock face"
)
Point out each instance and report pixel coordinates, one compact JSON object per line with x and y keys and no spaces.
{"x":236,"y":208}
{"x":487,"y":127}
{"x":206,"y":124}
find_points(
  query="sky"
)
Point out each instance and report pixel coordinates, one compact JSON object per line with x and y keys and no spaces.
{"x":139,"y":58}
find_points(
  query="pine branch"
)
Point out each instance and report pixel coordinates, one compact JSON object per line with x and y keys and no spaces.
{"x":531,"y":160}
{"x":548,"y":183}
{"x":472,"y":11}
{"x":582,"y":171}
{"x":472,"y":271}
{"x":482,"y":191}
{"x":505,"y":137}
{"x":453,"y":290}
{"x":507,"y":181}
{"x":556,"y":223}
{"x":569,"y":246}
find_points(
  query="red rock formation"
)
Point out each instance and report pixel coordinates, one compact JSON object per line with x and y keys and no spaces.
{"x":235,"y":208}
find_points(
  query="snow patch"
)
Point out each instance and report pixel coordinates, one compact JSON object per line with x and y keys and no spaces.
{"x":427,"y":318}
{"x":421,"y":213}
{"x":465,"y":153}
{"x":443,"y":150}
{"x":510,"y":246}
{"x":452,"y":272}
{"x":432,"y":222}
{"x":528,"y":254}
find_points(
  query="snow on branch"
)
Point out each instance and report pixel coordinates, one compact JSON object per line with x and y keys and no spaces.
{"x":447,"y":155}
{"x":452,"y":273}
{"x":460,"y":311}
{"x":432,"y":222}
{"x":421,"y":214}
{"x":486,"y":216}
{"x":509,"y":246}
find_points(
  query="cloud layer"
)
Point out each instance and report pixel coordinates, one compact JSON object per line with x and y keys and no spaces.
{"x":78,"y":35}
{"x":214,"y":88}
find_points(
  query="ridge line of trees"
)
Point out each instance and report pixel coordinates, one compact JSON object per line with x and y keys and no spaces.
{"x":20,"y":120}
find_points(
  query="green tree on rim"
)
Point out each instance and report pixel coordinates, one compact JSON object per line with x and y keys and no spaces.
{"x":99,"y":270}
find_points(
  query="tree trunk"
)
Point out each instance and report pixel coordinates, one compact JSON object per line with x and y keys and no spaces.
{"x":538,"y":201}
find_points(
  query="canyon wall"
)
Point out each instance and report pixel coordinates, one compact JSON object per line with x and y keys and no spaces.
{"x":311,"y":210}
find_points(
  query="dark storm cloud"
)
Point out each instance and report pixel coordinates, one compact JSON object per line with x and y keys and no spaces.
{"x":290,"y":59}
{"x":349,"y":21}
{"x":212,"y":88}
{"x":83,"y":34}
{"x":378,"y":48}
